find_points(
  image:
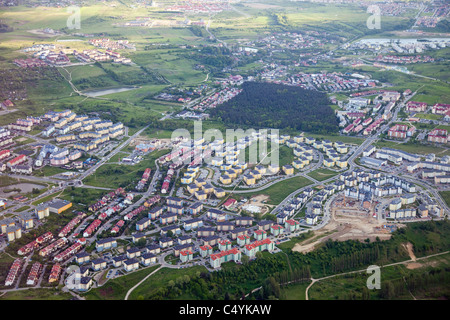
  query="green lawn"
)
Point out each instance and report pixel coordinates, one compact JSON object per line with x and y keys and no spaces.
{"x":36,"y":294}
{"x":412,"y":147}
{"x":446,"y":196}
{"x":428,"y":116}
{"x":116,"y":289}
{"x":280,"y":190}
{"x":322,"y":174}
{"x":114,"y":176}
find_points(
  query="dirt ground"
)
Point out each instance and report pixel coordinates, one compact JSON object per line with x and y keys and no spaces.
{"x":145,"y":140}
{"x":259,"y":202}
{"x":346,"y":223}
{"x":412,"y":265}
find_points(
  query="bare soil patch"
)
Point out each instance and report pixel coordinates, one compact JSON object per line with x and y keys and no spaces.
{"x":346,"y":223}
{"x":259,"y":201}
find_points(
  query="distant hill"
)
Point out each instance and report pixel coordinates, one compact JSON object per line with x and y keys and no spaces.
{"x":261,"y":105}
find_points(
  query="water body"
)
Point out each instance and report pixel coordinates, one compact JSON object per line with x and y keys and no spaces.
{"x":99,"y":93}
{"x":24,"y":188}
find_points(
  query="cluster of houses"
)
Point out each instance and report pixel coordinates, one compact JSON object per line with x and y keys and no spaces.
{"x":402,"y":46}
{"x":406,"y":206}
{"x":359,"y":110}
{"x":217,"y":98}
{"x":438,"y":136}
{"x":97,"y":55}
{"x":335,"y":81}
{"x":226,"y":241}
{"x":365,"y":186}
{"x":30,"y":63}
{"x":44,"y":55}
{"x":288,"y":40}
{"x":401,"y":131}
{"x":404,"y":59}
{"x":12,"y":229}
{"x":109,"y":44}
{"x":195,"y":7}
{"x":429,"y":165}
{"x":48,"y":54}
{"x":422,"y":107}
{"x":86,"y":133}
{"x":395,"y":8}
{"x":215,"y":237}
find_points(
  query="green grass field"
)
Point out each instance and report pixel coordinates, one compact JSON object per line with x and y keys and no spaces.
{"x":280,"y":190}
{"x":428,"y":116}
{"x":114,"y":176}
{"x":116,"y":289}
{"x":322,"y":174}
{"x":412,"y":147}
{"x":352,"y":286}
{"x":446,"y":196}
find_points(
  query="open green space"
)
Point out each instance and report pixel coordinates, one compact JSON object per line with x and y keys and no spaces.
{"x":429,"y":281}
{"x":428,"y":116}
{"x":114,"y":176}
{"x":412,"y":147}
{"x":446,"y":196}
{"x":275,"y":271}
{"x":37,"y":294}
{"x":278,"y":191}
{"x":322,"y":174}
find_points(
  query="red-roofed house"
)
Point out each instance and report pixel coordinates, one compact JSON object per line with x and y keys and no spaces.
{"x":260,"y":245}
{"x":276,"y":229}
{"x":414,"y":106}
{"x":206,"y":250}
{"x":440,"y":108}
{"x":438,"y":136}
{"x":17,"y":160}
{"x":7,"y":104}
{"x":217,"y":259}
{"x":186,"y":255}
{"x":291,"y":225}
{"x":229,"y":203}
{"x":243,"y":239}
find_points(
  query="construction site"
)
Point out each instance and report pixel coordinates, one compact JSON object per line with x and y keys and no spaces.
{"x":349,"y":220}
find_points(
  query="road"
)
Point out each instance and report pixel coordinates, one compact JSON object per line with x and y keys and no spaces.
{"x":110,"y":155}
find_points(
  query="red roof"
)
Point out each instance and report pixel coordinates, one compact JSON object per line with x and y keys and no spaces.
{"x":258,"y":243}
{"x":229,"y":202}
{"x":224,"y":253}
{"x":292,"y":222}
{"x":8,"y":103}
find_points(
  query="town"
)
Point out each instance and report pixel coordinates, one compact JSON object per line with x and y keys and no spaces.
{"x":227,"y":150}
